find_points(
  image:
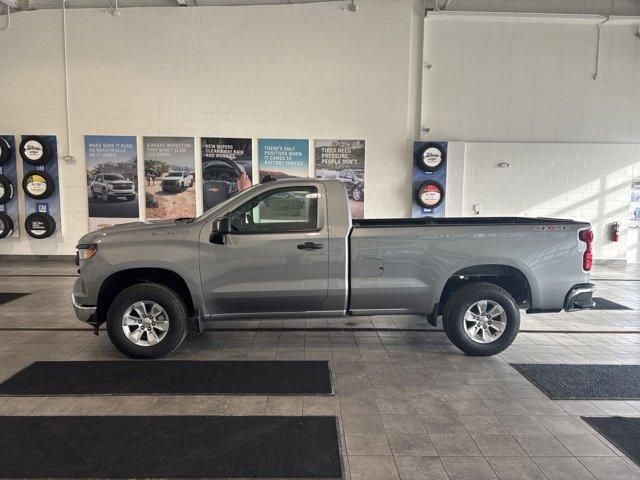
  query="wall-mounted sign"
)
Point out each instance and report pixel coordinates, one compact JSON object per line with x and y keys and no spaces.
{"x":169,"y":170}
{"x":112,"y":180}
{"x":226,"y":168}
{"x":280,"y":158}
{"x":40,"y":185}
{"x":8,"y":198}
{"x":343,"y":160}
{"x":429,"y":179}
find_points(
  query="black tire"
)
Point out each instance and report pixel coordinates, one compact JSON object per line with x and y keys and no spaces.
{"x":33,"y":187}
{"x":32,"y":156}
{"x":6,"y":225}
{"x":163,"y":296}
{"x":6,"y":189}
{"x":40,"y":225}
{"x":357,"y":194}
{"x":436,"y":159}
{"x":459,"y":303}
{"x":433,"y":185}
{"x":5,"y":151}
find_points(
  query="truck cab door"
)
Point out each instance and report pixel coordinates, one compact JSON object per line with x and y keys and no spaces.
{"x":274,"y":258}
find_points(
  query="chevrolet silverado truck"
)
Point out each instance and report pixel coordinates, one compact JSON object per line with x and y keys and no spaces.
{"x":176,"y":181}
{"x":290,"y":248}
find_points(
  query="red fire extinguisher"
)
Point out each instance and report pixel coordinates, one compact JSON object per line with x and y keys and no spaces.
{"x":615,"y":232}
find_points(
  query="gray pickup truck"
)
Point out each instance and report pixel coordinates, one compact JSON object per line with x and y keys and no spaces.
{"x":290,"y":248}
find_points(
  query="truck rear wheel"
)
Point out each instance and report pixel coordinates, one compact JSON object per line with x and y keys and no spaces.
{"x":147,"y":320}
{"x":481,"y":319}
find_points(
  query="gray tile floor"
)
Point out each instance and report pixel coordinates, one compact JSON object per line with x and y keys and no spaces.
{"x":410,"y":406}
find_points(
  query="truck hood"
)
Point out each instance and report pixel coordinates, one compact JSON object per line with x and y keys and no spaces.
{"x":105,"y":234}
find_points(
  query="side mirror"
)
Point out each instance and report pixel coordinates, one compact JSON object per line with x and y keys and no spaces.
{"x":219,"y":229}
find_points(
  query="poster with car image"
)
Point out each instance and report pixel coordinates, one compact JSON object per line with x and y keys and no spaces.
{"x":279,"y":158}
{"x":226,"y":168}
{"x":169,"y":173}
{"x":429,"y":179}
{"x":343,"y":160}
{"x":9,"y":227}
{"x":40,"y":185}
{"x":112,"y":180}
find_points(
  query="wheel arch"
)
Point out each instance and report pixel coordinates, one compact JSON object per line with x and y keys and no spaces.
{"x":511,"y":278}
{"x":123,"y":279}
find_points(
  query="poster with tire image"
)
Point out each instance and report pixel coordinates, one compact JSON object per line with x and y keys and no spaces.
{"x":429,"y":179}
{"x":226,"y":168}
{"x":169,"y":173}
{"x":9,"y":226}
{"x":40,"y":185}
{"x":343,"y":160}
{"x":112,"y":180}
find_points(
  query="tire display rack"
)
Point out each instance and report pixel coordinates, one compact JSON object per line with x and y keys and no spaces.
{"x":9,"y":220}
{"x":40,"y":185}
{"x":429,"y":179}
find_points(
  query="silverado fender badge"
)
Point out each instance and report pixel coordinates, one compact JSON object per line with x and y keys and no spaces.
{"x":550,"y":228}
{"x":170,"y":232}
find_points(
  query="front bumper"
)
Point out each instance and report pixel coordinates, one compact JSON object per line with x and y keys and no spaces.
{"x":121,"y":193}
{"x":84,"y":313}
{"x":580,"y":297}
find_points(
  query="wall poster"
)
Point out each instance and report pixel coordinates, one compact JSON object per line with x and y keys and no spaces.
{"x":226,"y":168}
{"x":169,"y":171}
{"x":343,"y":160}
{"x":112,"y":180}
{"x":429,"y":179}
{"x":280,"y":158}
{"x":40,"y":185}
{"x":9,"y":222}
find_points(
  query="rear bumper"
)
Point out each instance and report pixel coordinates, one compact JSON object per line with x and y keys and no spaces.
{"x":84,"y":313}
{"x":580,"y":297}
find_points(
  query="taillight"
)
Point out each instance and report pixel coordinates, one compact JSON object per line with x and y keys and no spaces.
{"x":587,"y":258}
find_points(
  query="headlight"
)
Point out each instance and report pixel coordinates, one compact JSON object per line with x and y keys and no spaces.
{"x":109,"y":186}
{"x":86,"y":250}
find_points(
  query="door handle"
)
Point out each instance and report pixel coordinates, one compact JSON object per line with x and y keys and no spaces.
{"x":310,"y":246}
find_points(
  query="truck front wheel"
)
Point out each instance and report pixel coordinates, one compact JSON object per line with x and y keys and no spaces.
{"x":481,"y":319}
{"x":147,"y":320}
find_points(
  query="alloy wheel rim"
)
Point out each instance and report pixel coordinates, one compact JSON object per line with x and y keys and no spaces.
{"x":485,"y":321}
{"x":145,"y":323}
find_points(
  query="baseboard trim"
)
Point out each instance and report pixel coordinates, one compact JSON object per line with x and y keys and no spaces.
{"x":610,"y":261}
{"x":37,"y":258}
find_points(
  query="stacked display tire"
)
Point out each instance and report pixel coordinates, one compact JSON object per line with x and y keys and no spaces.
{"x":7,"y":190}
{"x":37,"y":184}
{"x":430,"y":158}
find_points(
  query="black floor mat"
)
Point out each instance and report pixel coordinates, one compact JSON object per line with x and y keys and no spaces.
{"x":584,"y":382}
{"x":171,"y":378}
{"x":623,"y":432}
{"x":604,"y":304}
{"x":6,"y":297}
{"x":169,"y":447}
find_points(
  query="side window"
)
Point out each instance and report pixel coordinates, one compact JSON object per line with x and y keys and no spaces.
{"x":279,"y":210}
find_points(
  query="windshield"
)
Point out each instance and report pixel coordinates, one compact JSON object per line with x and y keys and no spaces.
{"x":174,"y":174}
{"x":114,"y":177}
{"x":221,"y":207}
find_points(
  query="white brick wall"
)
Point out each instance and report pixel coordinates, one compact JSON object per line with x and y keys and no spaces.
{"x":509,"y":78}
{"x":293,"y":71}
{"x":589,"y":182}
